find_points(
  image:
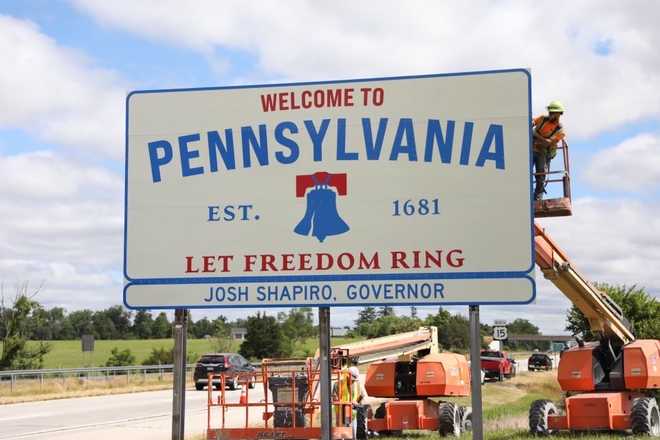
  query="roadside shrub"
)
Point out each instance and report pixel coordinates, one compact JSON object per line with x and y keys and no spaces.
{"x":159,"y":356}
{"x":120,"y":358}
{"x":164,"y":356}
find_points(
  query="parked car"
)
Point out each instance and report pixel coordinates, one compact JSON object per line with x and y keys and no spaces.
{"x":539,"y":361}
{"x":232,"y":365}
{"x":497,"y":365}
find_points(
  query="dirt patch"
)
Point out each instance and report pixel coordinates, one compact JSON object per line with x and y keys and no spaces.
{"x":501,"y":393}
{"x":515,"y":422}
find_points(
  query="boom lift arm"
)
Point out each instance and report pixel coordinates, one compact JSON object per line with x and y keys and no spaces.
{"x":604,"y":316}
{"x":418,"y":342}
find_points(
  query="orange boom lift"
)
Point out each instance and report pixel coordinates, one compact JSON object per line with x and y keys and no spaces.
{"x":411,"y":371}
{"x":611,"y":384}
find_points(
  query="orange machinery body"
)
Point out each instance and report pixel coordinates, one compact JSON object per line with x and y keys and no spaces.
{"x":578,"y":369}
{"x":435,"y":375}
{"x":600,"y":411}
{"x":338,"y":433}
{"x":605,"y":410}
{"x":407,"y":414}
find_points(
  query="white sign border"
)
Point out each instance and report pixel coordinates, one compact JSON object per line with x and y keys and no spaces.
{"x":528,"y":277}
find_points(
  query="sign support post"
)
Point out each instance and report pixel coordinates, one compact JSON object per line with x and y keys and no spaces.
{"x":475,"y":367}
{"x":179,"y":371}
{"x":324,"y":358}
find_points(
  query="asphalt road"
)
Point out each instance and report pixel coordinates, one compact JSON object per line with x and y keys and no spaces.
{"x":143,"y":416}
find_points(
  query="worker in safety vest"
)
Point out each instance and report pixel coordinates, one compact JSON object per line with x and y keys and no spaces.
{"x":357,"y":395}
{"x":350,"y":391}
{"x":548,"y":132}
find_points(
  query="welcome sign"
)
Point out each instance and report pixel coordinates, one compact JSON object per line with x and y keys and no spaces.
{"x":408,"y":190}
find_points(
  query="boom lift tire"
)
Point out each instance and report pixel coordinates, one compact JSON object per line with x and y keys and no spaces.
{"x":199,"y":386}
{"x":645,"y":417}
{"x":449,"y":420}
{"x":538,"y":417}
{"x":466,"y":418}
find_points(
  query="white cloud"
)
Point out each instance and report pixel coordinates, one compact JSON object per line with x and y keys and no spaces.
{"x":61,"y":224}
{"x":317,"y":40}
{"x":632,"y":165}
{"x":62,"y":221}
{"x":614,"y":241}
{"x":56,"y":93}
{"x":44,"y":175}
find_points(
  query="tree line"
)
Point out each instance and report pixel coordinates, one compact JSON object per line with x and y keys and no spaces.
{"x":42,"y":324}
{"x":283,"y":335}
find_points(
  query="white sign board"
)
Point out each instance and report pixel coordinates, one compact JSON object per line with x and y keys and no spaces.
{"x":412,"y":190}
{"x":500,"y":333}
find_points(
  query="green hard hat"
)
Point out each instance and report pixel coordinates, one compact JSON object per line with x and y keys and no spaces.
{"x":555,"y":107}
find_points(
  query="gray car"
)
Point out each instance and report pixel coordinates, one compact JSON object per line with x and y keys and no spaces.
{"x":232,"y":365}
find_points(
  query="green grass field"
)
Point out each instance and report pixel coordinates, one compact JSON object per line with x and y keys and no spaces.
{"x":68,"y":354}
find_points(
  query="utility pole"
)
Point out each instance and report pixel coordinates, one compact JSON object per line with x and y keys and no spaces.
{"x":475,"y":370}
{"x":324,"y":358}
{"x":179,"y":372}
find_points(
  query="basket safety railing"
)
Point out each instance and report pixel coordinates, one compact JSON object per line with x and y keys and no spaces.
{"x":307,"y":374}
{"x":564,"y":173}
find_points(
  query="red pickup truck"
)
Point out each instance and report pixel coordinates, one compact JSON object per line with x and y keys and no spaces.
{"x":497,"y":365}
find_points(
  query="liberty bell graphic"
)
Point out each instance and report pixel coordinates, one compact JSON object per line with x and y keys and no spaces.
{"x":321,"y":215}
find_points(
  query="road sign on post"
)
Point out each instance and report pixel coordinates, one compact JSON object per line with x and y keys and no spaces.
{"x":408,"y":190}
{"x":87,"y":343}
{"x":558,"y":347}
{"x":500,"y":333}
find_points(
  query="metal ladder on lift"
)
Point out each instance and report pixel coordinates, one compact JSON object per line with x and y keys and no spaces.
{"x":558,"y":206}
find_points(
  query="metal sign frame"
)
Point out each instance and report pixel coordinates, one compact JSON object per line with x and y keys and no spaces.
{"x":478,"y":277}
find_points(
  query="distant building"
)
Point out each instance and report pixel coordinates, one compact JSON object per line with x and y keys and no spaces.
{"x":238,"y":333}
{"x":338,"y":331}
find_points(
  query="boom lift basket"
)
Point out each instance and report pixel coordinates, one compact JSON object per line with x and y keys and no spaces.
{"x":558,"y":206}
{"x":289,"y":409}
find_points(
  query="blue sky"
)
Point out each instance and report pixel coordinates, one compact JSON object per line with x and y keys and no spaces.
{"x":69,"y":65}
